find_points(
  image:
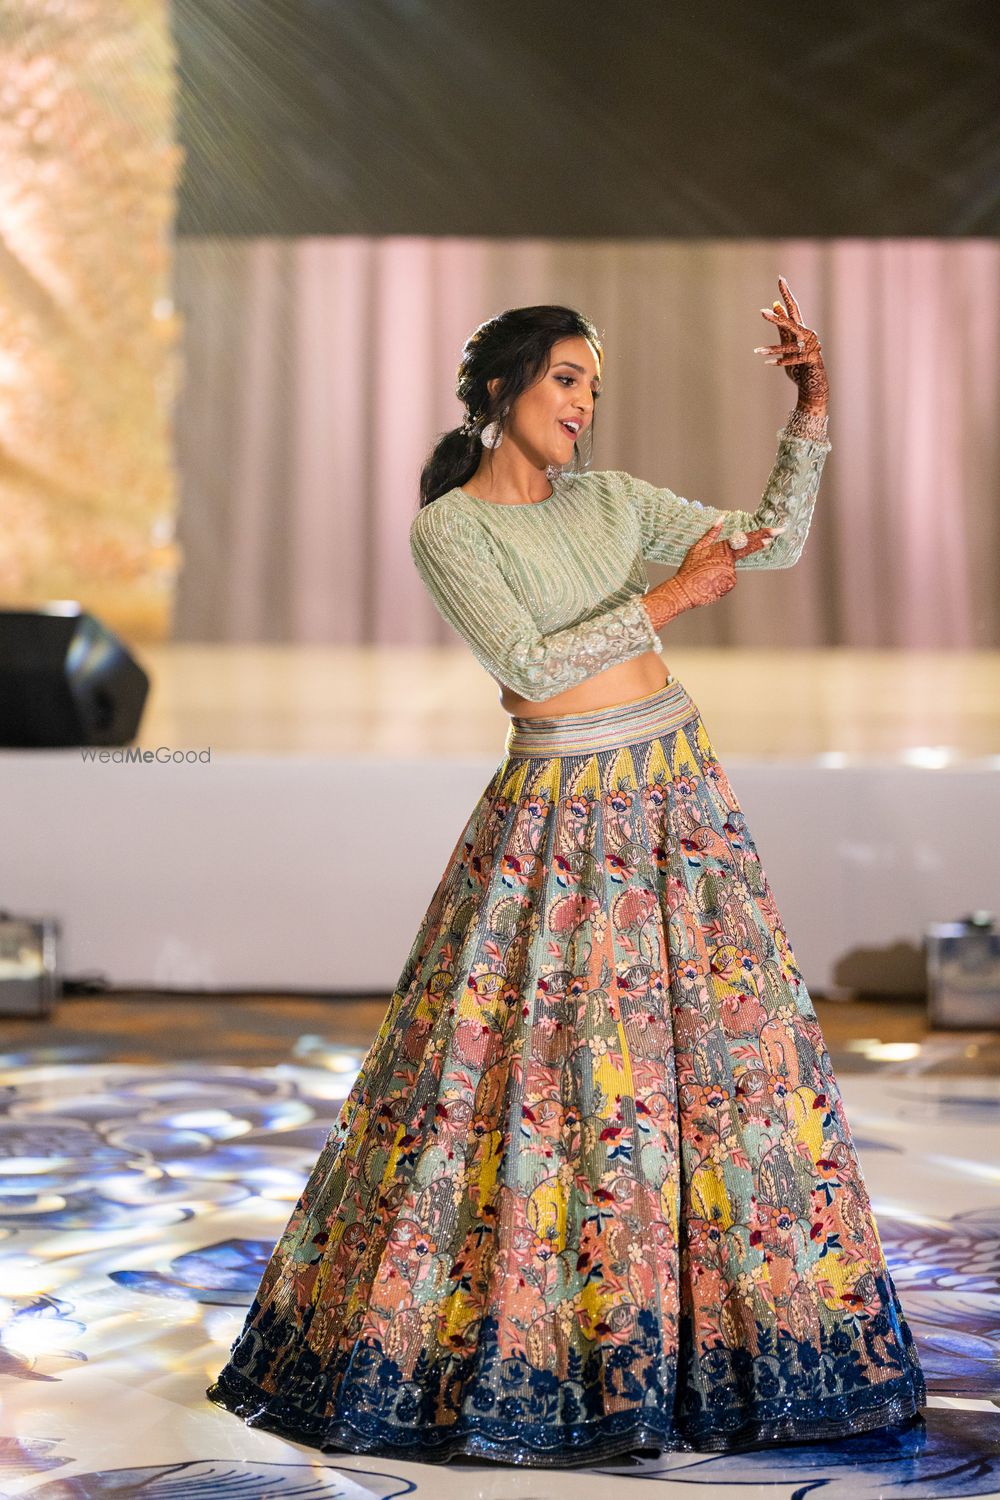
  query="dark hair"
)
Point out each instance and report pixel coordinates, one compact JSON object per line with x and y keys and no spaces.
{"x":514,"y":348}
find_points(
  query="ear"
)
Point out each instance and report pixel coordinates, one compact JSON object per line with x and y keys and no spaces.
{"x":492,"y":385}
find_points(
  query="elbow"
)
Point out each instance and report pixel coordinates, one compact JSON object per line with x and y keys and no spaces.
{"x":538,"y":681}
{"x":533,"y":687}
{"x":781,"y":554}
{"x":529,"y":671}
{"x":788,"y":559}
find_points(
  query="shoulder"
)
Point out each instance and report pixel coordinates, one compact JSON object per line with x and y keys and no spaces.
{"x":598,"y":479}
{"x":446,"y":525}
{"x":618,"y":482}
{"x":443,"y":515}
{"x":601,"y":485}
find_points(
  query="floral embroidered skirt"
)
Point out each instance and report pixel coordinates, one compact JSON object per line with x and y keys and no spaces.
{"x":593,"y":1189}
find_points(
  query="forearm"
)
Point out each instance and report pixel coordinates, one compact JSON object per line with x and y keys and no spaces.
{"x":668,"y":600}
{"x":539,"y":666}
{"x":808,"y":420}
{"x":789,"y":496}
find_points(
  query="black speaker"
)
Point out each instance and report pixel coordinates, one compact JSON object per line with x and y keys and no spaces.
{"x":66,"y":680}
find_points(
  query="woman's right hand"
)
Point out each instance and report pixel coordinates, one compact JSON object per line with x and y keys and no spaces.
{"x":707,"y":572}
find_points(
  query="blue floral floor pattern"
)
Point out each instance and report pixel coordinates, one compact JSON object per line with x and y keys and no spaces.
{"x":138,"y":1207}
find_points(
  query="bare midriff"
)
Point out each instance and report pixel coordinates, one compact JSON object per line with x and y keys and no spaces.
{"x":622,"y":683}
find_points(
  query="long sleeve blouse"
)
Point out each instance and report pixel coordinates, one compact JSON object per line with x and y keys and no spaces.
{"x":548,"y":593}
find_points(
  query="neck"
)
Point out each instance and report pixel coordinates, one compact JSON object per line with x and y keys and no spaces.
{"x":509,"y":474}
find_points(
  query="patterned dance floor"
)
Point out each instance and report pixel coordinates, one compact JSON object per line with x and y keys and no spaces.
{"x":139,"y":1205}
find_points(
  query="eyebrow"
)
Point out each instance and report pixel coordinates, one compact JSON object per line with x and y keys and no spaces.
{"x":595,"y":380}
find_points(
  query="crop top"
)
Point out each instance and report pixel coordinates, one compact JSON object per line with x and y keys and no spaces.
{"x":549,"y":592}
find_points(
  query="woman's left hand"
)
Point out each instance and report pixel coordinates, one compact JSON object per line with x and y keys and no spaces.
{"x":799,"y":351}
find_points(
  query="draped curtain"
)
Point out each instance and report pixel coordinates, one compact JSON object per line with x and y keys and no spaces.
{"x":319,"y":371}
{"x":88,"y":339}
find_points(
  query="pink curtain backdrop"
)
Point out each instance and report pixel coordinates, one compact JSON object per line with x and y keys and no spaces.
{"x":318,"y":372}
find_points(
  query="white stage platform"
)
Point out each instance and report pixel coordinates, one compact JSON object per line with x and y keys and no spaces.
{"x":300,"y":851}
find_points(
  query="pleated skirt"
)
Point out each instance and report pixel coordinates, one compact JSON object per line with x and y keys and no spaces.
{"x":594,"y":1188}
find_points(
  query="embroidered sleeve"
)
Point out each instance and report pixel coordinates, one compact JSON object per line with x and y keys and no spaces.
{"x":455,"y":560}
{"x":669,"y":524}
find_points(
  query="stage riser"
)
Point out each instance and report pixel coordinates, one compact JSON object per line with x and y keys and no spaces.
{"x":312,"y":873}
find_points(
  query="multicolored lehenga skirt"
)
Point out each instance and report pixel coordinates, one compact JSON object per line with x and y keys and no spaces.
{"x":593,"y":1189}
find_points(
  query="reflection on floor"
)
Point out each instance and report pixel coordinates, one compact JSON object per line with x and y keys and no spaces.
{"x":262,"y":1029}
{"x":139,"y":1204}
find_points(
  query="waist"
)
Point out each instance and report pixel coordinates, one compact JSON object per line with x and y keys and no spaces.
{"x":659,"y":712}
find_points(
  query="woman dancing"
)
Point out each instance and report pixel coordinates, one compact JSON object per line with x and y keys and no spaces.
{"x":593,"y":1189}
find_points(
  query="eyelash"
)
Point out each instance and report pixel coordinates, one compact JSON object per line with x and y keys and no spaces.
{"x":596,"y":394}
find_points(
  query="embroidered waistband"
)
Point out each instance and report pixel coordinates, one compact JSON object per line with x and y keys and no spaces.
{"x":668,"y":708}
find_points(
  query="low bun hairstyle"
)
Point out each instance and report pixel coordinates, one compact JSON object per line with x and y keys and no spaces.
{"x":512,"y":347}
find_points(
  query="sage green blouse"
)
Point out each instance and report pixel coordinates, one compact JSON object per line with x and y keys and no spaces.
{"x":548,"y":593}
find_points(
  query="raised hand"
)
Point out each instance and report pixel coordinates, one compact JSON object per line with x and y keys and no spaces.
{"x":799,"y":350}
